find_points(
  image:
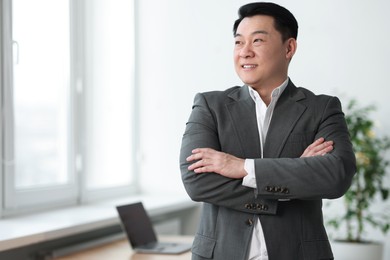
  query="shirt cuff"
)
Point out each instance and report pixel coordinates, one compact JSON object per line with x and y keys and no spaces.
{"x":250,"y":179}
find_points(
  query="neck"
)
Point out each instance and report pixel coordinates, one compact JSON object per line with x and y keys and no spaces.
{"x":265,"y":95}
{"x":265,"y":90}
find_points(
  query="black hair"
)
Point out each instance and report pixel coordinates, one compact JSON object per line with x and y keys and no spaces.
{"x":284,"y":20}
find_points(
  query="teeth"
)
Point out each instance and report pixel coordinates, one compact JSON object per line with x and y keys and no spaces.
{"x":248,"y":66}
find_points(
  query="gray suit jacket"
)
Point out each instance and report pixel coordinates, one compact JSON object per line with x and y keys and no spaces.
{"x":293,"y":229}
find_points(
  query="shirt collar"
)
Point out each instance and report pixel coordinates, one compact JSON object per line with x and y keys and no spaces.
{"x":274,"y":95}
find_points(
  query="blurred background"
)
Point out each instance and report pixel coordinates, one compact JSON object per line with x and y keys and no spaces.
{"x":96,"y":93}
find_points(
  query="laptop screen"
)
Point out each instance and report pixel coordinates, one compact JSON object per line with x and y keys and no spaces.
{"x":137,"y":224}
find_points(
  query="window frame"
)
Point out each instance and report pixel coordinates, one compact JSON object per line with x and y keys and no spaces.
{"x":4,"y":17}
{"x":36,"y":198}
{"x":16,"y":202}
{"x":79,"y":71}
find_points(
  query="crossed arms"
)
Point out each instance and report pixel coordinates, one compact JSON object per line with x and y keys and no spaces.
{"x":210,"y":174}
{"x":207,"y":160}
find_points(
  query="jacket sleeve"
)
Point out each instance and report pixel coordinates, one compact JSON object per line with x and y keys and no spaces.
{"x":201,"y":131}
{"x":318,"y":177}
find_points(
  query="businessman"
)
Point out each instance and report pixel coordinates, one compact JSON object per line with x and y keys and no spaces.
{"x":263,"y":156}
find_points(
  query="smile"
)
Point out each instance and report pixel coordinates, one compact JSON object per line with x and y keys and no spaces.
{"x":248,"y":66}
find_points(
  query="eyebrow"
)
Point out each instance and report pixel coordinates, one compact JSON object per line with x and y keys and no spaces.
{"x":255,"y":32}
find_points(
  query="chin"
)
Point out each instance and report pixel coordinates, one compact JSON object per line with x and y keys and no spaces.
{"x":249,"y":82}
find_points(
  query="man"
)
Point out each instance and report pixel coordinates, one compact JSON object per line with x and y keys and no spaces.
{"x":263,"y":156}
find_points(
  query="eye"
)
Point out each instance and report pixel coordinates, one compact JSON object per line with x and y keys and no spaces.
{"x":258,"y":40}
{"x":238,"y":42}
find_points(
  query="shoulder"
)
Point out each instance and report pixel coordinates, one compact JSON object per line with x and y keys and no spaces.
{"x":221,"y":93}
{"x":307,"y":98}
{"x":311,"y":96}
{"x":221,"y":96}
{"x":321,"y":101}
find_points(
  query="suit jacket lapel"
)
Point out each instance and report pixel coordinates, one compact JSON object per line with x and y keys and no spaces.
{"x":286,"y":113}
{"x":243,"y":113}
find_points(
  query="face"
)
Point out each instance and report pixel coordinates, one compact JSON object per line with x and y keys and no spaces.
{"x":261,"y":58}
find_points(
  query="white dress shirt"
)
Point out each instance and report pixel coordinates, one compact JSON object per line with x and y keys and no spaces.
{"x":258,"y":249}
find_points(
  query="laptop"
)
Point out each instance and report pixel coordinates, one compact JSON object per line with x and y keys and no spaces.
{"x":140,"y":233}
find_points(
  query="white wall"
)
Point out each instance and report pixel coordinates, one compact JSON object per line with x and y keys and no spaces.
{"x":186,"y":47}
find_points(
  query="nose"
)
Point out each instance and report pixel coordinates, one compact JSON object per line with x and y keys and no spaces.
{"x":246,"y":51}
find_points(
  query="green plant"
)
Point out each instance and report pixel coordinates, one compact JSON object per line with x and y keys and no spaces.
{"x":368,"y":183}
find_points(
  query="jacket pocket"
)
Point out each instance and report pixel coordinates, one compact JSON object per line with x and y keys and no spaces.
{"x":203,"y":246}
{"x":318,"y":250}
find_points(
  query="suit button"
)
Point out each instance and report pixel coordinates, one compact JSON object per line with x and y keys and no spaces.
{"x":278,"y":189}
{"x":285,"y":190}
{"x":265,"y":207}
{"x":249,"y":222}
{"x":248,"y":206}
{"x":268,"y":188}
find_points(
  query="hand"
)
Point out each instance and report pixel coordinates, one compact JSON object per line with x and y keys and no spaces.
{"x":318,"y":147}
{"x":210,"y":160}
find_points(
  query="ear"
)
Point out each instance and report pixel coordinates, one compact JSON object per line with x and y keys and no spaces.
{"x":291,"y":47}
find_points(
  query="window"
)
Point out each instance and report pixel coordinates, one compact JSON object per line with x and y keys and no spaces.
{"x":41,"y":93}
{"x":67,"y":94}
{"x":109,"y":69}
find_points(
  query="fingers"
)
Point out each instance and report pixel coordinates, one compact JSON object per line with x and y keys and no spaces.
{"x":316,"y":143}
{"x":200,"y":166}
{"x":198,"y":154}
{"x":318,"y":147}
{"x":208,"y":160}
{"x":204,"y":157}
{"x":324,"y":148}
